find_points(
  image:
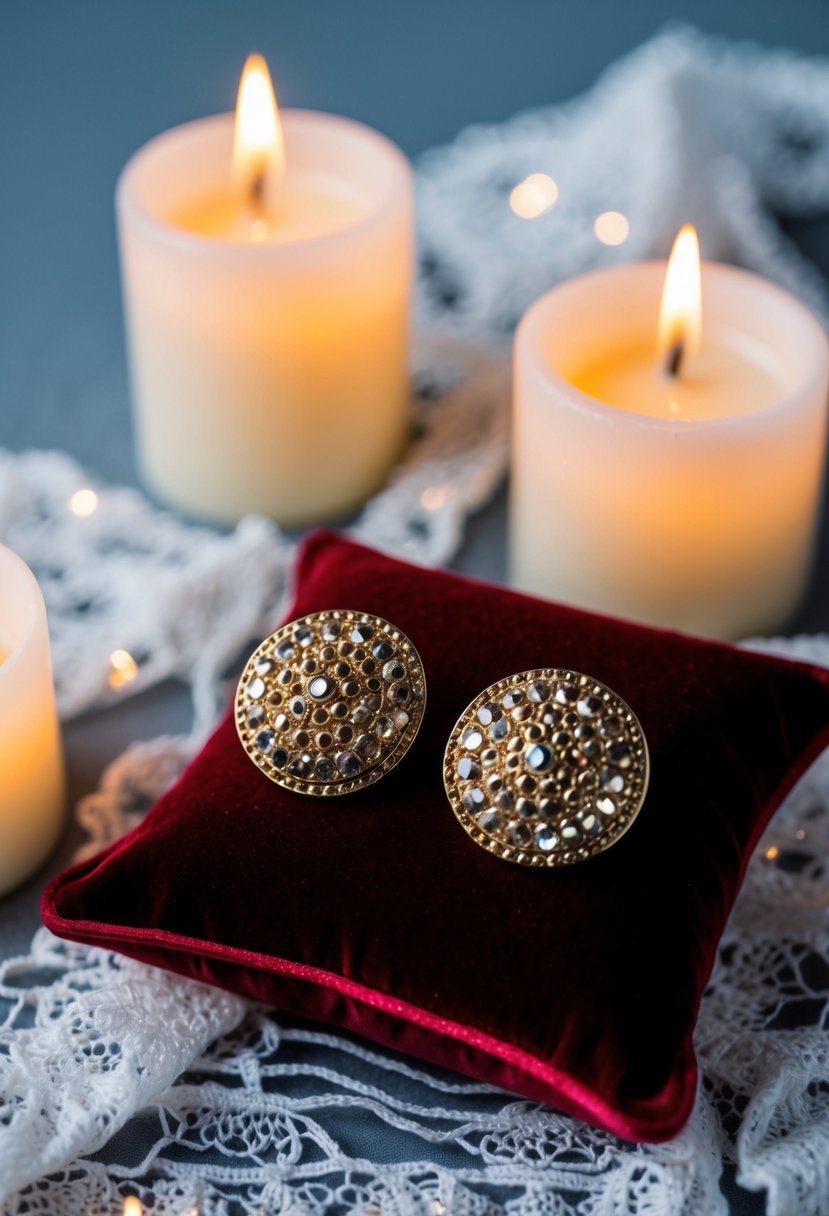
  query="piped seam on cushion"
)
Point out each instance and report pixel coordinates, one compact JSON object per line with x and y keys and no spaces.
{"x":666,"y":1120}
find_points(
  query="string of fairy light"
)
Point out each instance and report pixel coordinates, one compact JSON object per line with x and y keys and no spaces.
{"x":133,"y":1207}
{"x":538,"y":193}
{"x":122,"y":666}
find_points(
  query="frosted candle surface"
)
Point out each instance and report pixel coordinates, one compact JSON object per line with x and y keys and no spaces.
{"x":31,"y":763}
{"x":269,"y":342}
{"x":688,"y":502}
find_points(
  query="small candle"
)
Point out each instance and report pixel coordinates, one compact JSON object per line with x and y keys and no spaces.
{"x":668,"y":449}
{"x":31,"y":763}
{"x":266,"y":268}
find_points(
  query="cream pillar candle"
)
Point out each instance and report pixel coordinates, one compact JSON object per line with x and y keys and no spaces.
{"x":688,"y":501}
{"x":31,"y":762}
{"x":268,"y":330}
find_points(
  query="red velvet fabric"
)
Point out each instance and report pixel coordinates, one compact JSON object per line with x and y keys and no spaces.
{"x":376,"y":912}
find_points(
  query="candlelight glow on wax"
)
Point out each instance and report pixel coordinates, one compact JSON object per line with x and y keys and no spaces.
{"x":258,"y":141}
{"x":31,"y":761}
{"x":680,"y":313}
{"x":681,"y":372}
{"x":266,"y":199}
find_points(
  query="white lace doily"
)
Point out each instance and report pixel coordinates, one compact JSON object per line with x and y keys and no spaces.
{"x":196,"y":1100}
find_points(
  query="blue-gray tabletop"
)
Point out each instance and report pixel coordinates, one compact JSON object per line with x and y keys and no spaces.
{"x":85,"y":84}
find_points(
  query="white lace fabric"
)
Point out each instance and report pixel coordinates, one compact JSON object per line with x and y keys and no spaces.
{"x":117,"y":1078}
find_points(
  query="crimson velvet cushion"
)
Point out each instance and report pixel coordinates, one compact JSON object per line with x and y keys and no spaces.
{"x":376,"y":912}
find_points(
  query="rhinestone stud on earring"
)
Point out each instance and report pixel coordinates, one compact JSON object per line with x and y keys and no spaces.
{"x":331,"y":702}
{"x":546,"y":768}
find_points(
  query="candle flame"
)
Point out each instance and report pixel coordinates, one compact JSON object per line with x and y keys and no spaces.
{"x":258,"y":142}
{"x":680,"y":314}
{"x":132,"y":1206}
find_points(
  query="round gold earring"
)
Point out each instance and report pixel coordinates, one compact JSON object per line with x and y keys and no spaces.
{"x":331,"y":702}
{"x":546,"y":768}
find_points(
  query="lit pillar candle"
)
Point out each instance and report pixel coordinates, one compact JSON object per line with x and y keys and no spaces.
{"x":674,"y":481}
{"x":31,"y":763}
{"x":266,"y":269}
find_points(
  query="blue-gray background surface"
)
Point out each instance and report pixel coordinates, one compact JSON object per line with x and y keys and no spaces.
{"x":84,"y":83}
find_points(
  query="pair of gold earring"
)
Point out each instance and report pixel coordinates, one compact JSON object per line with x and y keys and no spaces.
{"x":544,"y":768}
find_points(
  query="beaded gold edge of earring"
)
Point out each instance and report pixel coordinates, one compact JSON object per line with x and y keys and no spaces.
{"x":547,"y":768}
{"x":331,"y":702}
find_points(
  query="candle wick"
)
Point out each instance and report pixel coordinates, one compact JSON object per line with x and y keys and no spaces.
{"x":673,"y":363}
{"x":256,"y":193}
{"x":256,"y":208}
